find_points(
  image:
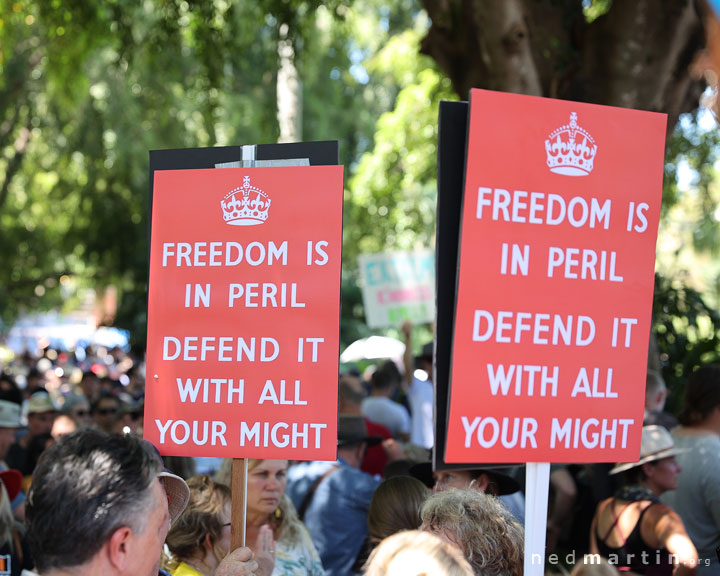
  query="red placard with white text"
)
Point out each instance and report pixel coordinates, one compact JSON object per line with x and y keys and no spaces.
{"x":557,"y":253}
{"x":244,"y":312}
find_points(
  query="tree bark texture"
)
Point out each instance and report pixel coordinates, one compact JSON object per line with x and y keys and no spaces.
{"x":637,"y":55}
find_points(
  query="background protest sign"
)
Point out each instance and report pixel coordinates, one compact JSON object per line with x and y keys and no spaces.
{"x":398,"y":286}
{"x":244,"y":312}
{"x":559,"y":224}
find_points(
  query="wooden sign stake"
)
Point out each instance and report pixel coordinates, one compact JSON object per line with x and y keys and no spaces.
{"x":238,"y":514}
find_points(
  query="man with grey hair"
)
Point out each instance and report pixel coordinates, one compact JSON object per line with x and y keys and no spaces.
{"x":102,"y":504}
{"x":656,"y":394}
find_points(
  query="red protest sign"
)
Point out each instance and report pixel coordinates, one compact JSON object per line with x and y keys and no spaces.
{"x":557,"y":251}
{"x":243,"y":312}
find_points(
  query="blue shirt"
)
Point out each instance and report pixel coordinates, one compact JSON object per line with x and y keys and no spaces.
{"x":337,"y":514}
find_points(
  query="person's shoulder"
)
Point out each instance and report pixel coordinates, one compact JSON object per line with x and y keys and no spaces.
{"x":307,"y":469}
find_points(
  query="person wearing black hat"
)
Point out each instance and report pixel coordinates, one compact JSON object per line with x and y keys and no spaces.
{"x":491,"y":480}
{"x":332,"y":499}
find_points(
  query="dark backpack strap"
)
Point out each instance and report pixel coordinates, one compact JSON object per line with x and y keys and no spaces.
{"x":311,"y":493}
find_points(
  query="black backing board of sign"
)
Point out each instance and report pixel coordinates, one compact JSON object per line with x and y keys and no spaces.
{"x":452,"y":136}
{"x":452,"y":149}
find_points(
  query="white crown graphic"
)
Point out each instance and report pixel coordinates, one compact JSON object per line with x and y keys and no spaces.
{"x":245,"y":205}
{"x":570,"y":149}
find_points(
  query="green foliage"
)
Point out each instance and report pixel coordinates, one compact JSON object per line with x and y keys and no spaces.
{"x":593,"y":9}
{"x":687,"y":332}
{"x":392,"y":195}
{"x":88,"y":87}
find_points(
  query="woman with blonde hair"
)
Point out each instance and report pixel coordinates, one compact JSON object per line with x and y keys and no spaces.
{"x":476,"y":523}
{"x":271,"y":515}
{"x":412,"y":553}
{"x":200,"y":538}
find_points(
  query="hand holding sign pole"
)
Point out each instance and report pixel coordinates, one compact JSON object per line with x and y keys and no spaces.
{"x":243,"y":319}
{"x":554,"y":293}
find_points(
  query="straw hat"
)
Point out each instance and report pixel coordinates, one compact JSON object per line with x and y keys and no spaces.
{"x":656,"y":444}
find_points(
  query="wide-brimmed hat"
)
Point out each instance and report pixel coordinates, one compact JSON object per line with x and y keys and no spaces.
{"x":353,"y":430}
{"x":39,"y":403}
{"x":177,"y":491}
{"x":9,"y":414}
{"x":656,"y":444}
{"x":13,"y":482}
{"x":505,"y":483}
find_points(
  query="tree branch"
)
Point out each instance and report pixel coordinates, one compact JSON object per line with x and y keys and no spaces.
{"x":15,"y":162}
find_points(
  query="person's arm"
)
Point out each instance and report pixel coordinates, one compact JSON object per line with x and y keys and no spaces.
{"x":593,"y":540}
{"x":669,"y":532}
{"x":408,"y":358}
{"x":565,"y":492}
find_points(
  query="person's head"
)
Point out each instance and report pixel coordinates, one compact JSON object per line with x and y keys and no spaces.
{"x":657,"y":468}
{"x":425,"y":359}
{"x":77,"y":406}
{"x":9,"y":423}
{"x":655,"y":391}
{"x":266,"y":497}
{"x":486,"y":533}
{"x":413,"y":553}
{"x":493,"y":481}
{"x":702,"y":397}
{"x":64,"y":424}
{"x":353,"y":439}
{"x":384,"y":381}
{"x":9,"y":389}
{"x":98,"y":500}
{"x":35,"y":448}
{"x":266,"y":485}
{"x":129,"y":418}
{"x":395,"y":506}
{"x":90,"y":385}
{"x":202,"y":532}
{"x":40,"y":414}
{"x":351,"y":393}
{"x":104,"y":412}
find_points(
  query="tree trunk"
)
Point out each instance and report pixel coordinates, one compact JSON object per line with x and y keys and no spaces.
{"x":289,"y":91}
{"x":637,"y":55}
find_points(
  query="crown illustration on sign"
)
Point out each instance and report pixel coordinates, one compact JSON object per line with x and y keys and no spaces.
{"x":245,"y":205}
{"x":570,"y":149}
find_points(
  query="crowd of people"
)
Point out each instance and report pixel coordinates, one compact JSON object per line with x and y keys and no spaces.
{"x":81,"y":493}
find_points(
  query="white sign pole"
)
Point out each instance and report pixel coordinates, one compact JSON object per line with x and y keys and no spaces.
{"x":537,"y":485}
